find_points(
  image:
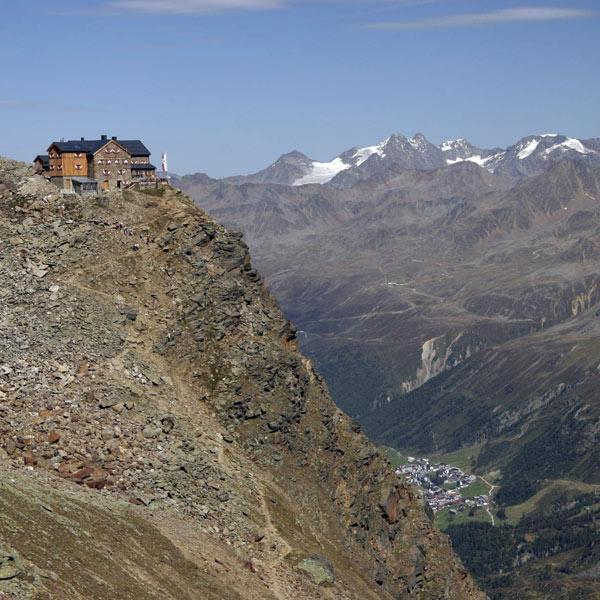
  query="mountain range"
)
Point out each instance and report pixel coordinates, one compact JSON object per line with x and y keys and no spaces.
{"x":450,"y":303}
{"x":421,"y":269}
{"x":529,"y":156}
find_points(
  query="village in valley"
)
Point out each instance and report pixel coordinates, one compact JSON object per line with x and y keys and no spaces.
{"x":441,"y":484}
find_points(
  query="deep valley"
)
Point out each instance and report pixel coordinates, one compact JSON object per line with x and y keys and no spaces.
{"x":448,"y":306}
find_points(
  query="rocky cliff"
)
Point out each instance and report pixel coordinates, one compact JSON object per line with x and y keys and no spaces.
{"x":160,"y":434}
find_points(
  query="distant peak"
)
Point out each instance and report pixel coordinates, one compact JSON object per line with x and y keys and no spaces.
{"x":294,"y":154}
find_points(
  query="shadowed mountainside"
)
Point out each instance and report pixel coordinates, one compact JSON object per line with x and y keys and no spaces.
{"x":449,"y":279}
{"x":160,"y":434}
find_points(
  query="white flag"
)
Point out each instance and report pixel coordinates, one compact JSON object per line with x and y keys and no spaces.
{"x":164,"y":162}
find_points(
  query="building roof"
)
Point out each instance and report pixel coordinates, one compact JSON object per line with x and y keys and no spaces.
{"x":44,"y":159}
{"x":134,"y":147}
{"x":87,"y":146}
{"x":83,"y":180}
{"x":143,"y":167}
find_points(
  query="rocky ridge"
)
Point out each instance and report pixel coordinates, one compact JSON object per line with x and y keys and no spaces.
{"x":160,"y":434}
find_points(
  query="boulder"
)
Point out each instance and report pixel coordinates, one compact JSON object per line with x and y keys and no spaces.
{"x":318,"y":569}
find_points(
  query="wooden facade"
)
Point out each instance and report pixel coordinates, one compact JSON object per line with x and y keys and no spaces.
{"x":74,"y":164}
{"x":67,"y":164}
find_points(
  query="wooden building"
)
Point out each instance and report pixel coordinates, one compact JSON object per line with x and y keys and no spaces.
{"x":111,"y":163}
{"x":42,"y":162}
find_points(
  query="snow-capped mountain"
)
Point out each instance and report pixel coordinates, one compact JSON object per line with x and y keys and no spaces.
{"x":361,"y":163}
{"x":529,"y":156}
{"x":535,"y":153}
{"x":461,"y":150}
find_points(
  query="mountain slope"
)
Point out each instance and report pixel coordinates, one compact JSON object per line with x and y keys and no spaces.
{"x":454,"y":308}
{"x":160,"y":434}
{"x":421,"y":270}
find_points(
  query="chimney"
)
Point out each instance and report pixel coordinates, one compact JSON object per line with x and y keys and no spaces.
{"x":83,"y":139}
{"x":103,"y":138}
{"x":114,"y":137}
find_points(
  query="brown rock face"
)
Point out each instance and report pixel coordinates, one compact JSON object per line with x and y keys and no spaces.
{"x":199,"y":454}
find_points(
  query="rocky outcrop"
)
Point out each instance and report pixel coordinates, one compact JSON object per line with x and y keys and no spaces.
{"x":438,"y":355}
{"x":166,"y":436}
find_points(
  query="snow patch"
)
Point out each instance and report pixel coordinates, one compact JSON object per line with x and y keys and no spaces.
{"x":576,"y":145}
{"x":479,"y":160}
{"x":363,"y":154}
{"x":568,"y":144}
{"x":322,"y":172}
{"x":528,"y":150}
{"x":419,"y":144}
{"x":451,"y":144}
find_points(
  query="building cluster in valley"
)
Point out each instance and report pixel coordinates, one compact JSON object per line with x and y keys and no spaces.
{"x":419,"y":472}
{"x":87,"y":166}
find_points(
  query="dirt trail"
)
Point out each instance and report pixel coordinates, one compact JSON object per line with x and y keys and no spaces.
{"x":487,"y":508}
{"x":273,"y":538}
{"x":144,"y":250}
{"x":270,"y":528}
{"x":277,"y":584}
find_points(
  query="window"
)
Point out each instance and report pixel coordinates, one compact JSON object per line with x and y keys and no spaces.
{"x":59,"y":166}
{"x":125,"y":162}
{"x":100,"y":162}
{"x":106,"y":172}
{"x":78,"y":167}
{"x":77,"y":154}
{"x":108,"y":162}
{"x":116,"y":161}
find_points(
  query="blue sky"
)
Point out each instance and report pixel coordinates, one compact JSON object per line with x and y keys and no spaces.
{"x":226,"y":86}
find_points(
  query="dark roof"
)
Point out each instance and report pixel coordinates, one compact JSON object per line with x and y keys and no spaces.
{"x":44,"y":159}
{"x":134,"y":147}
{"x":87,"y":146}
{"x":143,"y":167}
